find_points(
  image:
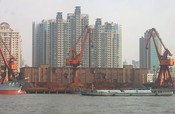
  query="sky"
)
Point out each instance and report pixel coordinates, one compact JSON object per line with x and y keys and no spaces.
{"x":135,"y":16}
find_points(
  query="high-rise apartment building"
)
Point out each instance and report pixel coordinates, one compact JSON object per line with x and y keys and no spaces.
{"x":58,"y":42}
{"x":107,"y":44}
{"x":12,"y":41}
{"x":99,"y":48}
{"x":143,"y":53}
{"x":148,"y":57}
{"x":52,"y":39}
{"x":42,"y":34}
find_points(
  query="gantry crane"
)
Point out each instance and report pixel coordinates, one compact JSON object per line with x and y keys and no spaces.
{"x":75,"y":59}
{"x":9,"y":65}
{"x":165,"y":60}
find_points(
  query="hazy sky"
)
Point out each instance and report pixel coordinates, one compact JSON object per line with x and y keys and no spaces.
{"x":135,"y":16}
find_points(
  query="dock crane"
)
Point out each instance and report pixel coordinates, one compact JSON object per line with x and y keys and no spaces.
{"x":164,"y":77}
{"x":10,"y":65}
{"x":75,"y":59}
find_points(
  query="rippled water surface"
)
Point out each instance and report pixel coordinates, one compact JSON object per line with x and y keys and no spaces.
{"x":77,"y":104}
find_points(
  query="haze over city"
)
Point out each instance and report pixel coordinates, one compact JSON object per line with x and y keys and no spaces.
{"x":135,"y":16}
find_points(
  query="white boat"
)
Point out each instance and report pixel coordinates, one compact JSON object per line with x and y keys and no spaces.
{"x":150,"y":92}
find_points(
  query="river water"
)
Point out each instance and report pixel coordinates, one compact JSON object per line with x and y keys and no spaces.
{"x":77,"y":104}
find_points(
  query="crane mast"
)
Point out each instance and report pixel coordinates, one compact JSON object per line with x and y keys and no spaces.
{"x":164,"y":77}
{"x":75,"y":59}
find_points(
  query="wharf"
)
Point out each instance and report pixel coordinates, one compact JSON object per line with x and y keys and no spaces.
{"x":48,"y":90}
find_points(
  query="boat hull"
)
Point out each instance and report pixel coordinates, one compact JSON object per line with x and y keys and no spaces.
{"x":12,"y":92}
{"x":127,"y":92}
{"x":11,"y":87}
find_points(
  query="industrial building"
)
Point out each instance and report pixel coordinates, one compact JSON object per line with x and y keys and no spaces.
{"x":63,"y":76}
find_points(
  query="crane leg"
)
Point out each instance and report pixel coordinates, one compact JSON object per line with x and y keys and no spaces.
{"x":75,"y":78}
{"x":164,"y":77}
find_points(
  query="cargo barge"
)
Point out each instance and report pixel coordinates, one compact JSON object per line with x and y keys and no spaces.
{"x":151,"y":92}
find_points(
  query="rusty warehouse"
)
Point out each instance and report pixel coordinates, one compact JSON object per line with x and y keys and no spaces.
{"x":46,"y":76}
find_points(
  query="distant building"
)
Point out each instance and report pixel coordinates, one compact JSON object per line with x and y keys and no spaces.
{"x":150,"y":77}
{"x":135,"y":64}
{"x":52,"y":39}
{"x":172,"y":72}
{"x":125,"y":62}
{"x":12,"y":41}
{"x":107,"y":45}
{"x":143,"y":54}
{"x":42,"y":35}
{"x":59,"y":42}
{"x":148,"y":57}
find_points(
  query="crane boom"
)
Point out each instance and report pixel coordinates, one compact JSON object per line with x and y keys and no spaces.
{"x":74,"y":46}
{"x":4,"y":58}
{"x":7,"y":48}
{"x":75,"y":59}
{"x":84,"y":42}
{"x":10,"y":65}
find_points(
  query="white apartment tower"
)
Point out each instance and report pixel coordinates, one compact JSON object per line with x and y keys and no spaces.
{"x":99,"y":47}
{"x":60,"y":42}
{"x":12,"y":41}
{"x":107,"y":45}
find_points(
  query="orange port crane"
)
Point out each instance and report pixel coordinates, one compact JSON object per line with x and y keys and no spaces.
{"x":164,"y":77}
{"x":75,"y":59}
{"x":10,"y":65}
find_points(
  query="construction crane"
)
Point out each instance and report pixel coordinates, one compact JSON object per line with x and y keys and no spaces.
{"x":75,"y":59}
{"x":9,"y":65}
{"x":165,"y":60}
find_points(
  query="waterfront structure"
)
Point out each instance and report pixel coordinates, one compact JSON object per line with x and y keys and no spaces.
{"x":107,"y":45}
{"x":12,"y":41}
{"x":148,"y":57}
{"x":62,"y":76}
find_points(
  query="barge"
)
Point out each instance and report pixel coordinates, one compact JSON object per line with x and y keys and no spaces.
{"x":150,"y":92}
